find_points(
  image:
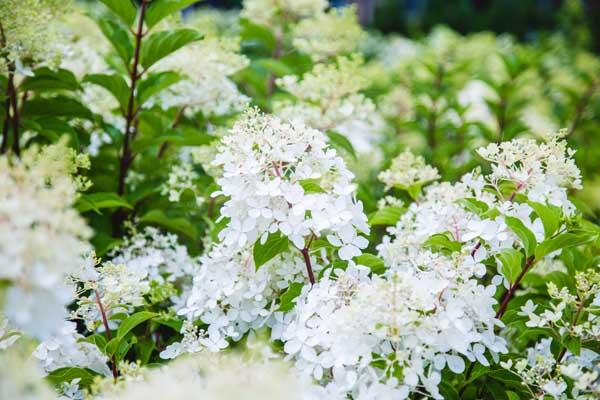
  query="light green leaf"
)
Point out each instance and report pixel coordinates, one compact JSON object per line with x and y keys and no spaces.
{"x":511,"y":260}
{"x":550,"y":216}
{"x":100,"y":200}
{"x":441,"y":242}
{"x":154,"y":83}
{"x":311,"y":185}
{"x":340,"y":141}
{"x":386,"y":216}
{"x":119,"y":38}
{"x":275,"y":244}
{"x":286,"y":301}
{"x":277,"y":67}
{"x":161,"y":44}
{"x":527,"y":237}
{"x":562,"y":241}
{"x":123,"y":8}
{"x":115,"y":84}
{"x":160,"y":9}
{"x":180,"y":225}
{"x":473,"y":205}
{"x":67,"y":374}
{"x":375,"y":263}
{"x":134,"y":320}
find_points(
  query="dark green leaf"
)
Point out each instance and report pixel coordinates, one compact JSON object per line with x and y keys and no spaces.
{"x":46,"y":79}
{"x":550,"y":216}
{"x":573,"y":344}
{"x":59,"y":106}
{"x":123,"y":8}
{"x":277,"y":67}
{"x":100,"y":200}
{"x":275,"y":244}
{"x":67,"y":374}
{"x":340,"y":141}
{"x":119,"y":38}
{"x":160,"y":9}
{"x":154,"y":83}
{"x":180,"y":225}
{"x":133,"y":321}
{"x":562,"y":241}
{"x":511,"y":260}
{"x":526,"y":236}
{"x":286,"y":301}
{"x":115,"y":84}
{"x":161,"y":44}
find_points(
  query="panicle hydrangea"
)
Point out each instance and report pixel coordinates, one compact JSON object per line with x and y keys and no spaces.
{"x":232,"y":296}
{"x":27,"y":33}
{"x":542,"y":172}
{"x":206,"y":67}
{"x":276,"y":12}
{"x":42,"y":237}
{"x":408,"y":170}
{"x":266,"y":163}
{"x":328,"y":34}
{"x":114,"y":286}
{"x":181,"y":178}
{"x":328,"y":98}
{"x":67,"y":349}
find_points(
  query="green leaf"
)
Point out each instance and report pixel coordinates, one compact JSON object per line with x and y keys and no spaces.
{"x":511,"y":260}
{"x":46,"y":79}
{"x":161,"y":44}
{"x":123,"y":8}
{"x":311,"y":185}
{"x":180,"y":225}
{"x":160,"y":9}
{"x":119,"y":38}
{"x":448,"y":392}
{"x":254,"y":35}
{"x":58,"y":106}
{"x":277,"y":67}
{"x":562,"y":241}
{"x":473,"y":205}
{"x":100,"y":200}
{"x":550,"y":216}
{"x":442,"y":243}
{"x":512,"y":395}
{"x":67,"y":374}
{"x":573,"y":344}
{"x":386,"y":216}
{"x":98,"y":340}
{"x":526,"y":236}
{"x":286,"y":301}
{"x":111,"y":347}
{"x":115,"y":84}
{"x":124,"y":347}
{"x":375,"y":263}
{"x":154,"y":83}
{"x":133,"y":321}
{"x":340,"y":141}
{"x":275,"y":244}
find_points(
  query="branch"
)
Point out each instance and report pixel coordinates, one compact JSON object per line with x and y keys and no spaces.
{"x":108,"y":335}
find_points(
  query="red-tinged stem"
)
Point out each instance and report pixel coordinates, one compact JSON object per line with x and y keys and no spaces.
{"x":108,"y":335}
{"x":512,"y":288}
{"x":306,"y":255}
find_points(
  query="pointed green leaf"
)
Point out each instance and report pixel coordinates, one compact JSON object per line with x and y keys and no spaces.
{"x":311,"y":185}
{"x":46,"y":79}
{"x":134,"y":320}
{"x":562,"y":241}
{"x":275,"y":244}
{"x":154,"y":83}
{"x":550,"y":216}
{"x":67,"y":374}
{"x":100,"y":200}
{"x":286,"y":301}
{"x":511,"y":260}
{"x":340,"y":141}
{"x":123,"y":8}
{"x":119,"y":38}
{"x":386,"y":216}
{"x":180,"y":225}
{"x":161,"y":44}
{"x":160,"y":9}
{"x":115,"y":84}
{"x":527,"y":237}
{"x":375,"y":263}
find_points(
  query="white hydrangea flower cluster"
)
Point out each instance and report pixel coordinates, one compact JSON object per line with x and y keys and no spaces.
{"x":408,"y":170}
{"x":328,"y":34}
{"x":266,"y":162}
{"x":328,"y":98}
{"x":206,"y":68}
{"x":232,"y":296}
{"x":543,"y":172}
{"x":107,"y":288}
{"x":42,"y":237}
{"x":181,"y":178}
{"x":67,"y":349}
{"x":270,"y":12}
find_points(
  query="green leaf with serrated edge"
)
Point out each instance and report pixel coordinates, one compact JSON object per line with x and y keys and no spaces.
{"x":511,"y":260}
{"x":161,"y":44}
{"x":550,"y":216}
{"x":374,"y":263}
{"x":562,"y":241}
{"x":340,"y":141}
{"x":286,"y":301}
{"x":123,"y":8}
{"x":98,"y":201}
{"x":154,"y":83}
{"x":119,"y":38}
{"x":311,"y":185}
{"x":386,"y":216}
{"x":527,"y":237}
{"x":115,"y":84}
{"x":179,"y":225}
{"x":275,"y":244}
{"x":159,"y":9}
{"x":67,"y":374}
{"x":133,"y":321}
{"x":441,"y":242}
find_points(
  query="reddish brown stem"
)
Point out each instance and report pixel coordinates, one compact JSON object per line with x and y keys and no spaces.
{"x":513,"y":288}
{"x":108,"y":335}
{"x":309,"y":270}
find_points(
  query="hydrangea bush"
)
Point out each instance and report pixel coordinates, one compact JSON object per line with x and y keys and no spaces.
{"x":275,"y":203}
